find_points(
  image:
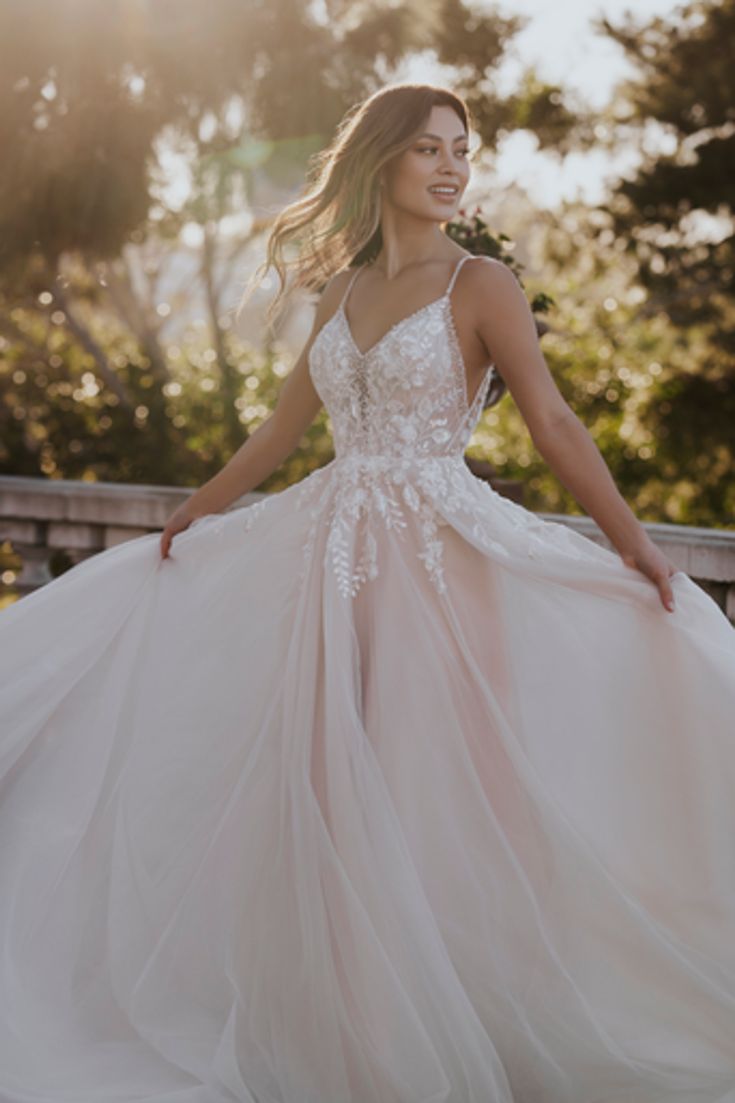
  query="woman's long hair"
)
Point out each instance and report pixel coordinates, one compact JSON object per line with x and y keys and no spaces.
{"x":336,"y":221}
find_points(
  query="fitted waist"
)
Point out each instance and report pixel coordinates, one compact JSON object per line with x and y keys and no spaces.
{"x":386,"y":461}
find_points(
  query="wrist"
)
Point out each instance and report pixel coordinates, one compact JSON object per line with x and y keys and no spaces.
{"x":632,"y":542}
{"x":190,"y":511}
{"x":202,"y":502}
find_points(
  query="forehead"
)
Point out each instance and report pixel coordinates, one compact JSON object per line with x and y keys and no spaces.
{"x":443,"y":121}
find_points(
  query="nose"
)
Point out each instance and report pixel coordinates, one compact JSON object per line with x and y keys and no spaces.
{"x":449,"y":165}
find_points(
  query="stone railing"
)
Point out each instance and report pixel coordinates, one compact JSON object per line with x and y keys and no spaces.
{"x":51,"y":523}
{"x":54,"y":523}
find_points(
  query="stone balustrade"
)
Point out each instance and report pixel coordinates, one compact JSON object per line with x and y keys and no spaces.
{"x":54,"y":523}
{"x":50,"y":524}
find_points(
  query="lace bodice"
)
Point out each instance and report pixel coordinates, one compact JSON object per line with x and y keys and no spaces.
{"x":401,"y":422}
{"x":404,"y":397}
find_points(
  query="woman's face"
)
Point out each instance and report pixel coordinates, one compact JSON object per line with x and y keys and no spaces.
{"x":429,"y":178}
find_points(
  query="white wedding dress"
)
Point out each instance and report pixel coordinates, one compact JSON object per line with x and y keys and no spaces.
{"x":379,"y":790}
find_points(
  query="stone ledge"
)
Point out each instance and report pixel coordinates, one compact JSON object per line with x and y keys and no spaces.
{"x":42,"y":517}
{"x":700,"y":552}
{"x":79,"y":502}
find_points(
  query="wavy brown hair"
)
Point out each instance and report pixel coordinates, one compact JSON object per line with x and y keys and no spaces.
{"x":335,"y":222}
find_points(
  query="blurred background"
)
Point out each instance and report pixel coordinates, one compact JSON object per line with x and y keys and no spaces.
{"x":147,"y":144}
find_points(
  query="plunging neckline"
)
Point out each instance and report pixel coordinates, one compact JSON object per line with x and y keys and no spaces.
{"x":378,"y":343}
{"x":469,"y":406}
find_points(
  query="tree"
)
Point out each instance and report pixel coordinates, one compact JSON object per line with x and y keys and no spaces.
{"x":675,"y":217}
{"x":92,"y":101}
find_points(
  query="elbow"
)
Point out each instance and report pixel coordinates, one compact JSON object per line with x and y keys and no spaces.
{"x":548,"y":429}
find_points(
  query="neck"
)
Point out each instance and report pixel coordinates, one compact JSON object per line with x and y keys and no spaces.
{"x":408,"y":247}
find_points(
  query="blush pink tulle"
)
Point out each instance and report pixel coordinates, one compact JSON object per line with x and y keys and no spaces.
{"x":379,"y":790}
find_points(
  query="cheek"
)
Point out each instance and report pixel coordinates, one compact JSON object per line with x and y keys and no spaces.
{"x":414,"y":180}
{"x":411,"y":174}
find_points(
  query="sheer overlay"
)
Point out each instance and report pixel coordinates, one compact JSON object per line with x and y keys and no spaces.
{"x":379,"y":790}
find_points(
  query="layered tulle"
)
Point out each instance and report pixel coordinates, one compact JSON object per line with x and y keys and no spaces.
{"x":265,"y":842}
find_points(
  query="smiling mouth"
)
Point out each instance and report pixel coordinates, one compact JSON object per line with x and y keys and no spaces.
{"x":444,"y":191}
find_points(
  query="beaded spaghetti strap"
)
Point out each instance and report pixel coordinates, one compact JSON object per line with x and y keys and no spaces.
{"x":455,"y":273}
{"x":350,"y":282}
{"x":446,"y":294}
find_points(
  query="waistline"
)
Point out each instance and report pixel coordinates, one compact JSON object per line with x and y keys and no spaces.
{"x":383,"y":461}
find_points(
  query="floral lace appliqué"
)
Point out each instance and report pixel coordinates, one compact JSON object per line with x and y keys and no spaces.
{"x":401,"y":422}
{"x":397,"y":412}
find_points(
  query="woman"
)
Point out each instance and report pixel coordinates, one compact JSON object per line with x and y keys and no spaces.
{"x":382,"y":789}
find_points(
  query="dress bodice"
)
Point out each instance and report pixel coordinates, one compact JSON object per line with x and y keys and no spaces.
{"x":401,"y":420}
{"x":405,"y":396}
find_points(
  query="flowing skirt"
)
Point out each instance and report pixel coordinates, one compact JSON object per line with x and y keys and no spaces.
{"x":264,"y":842}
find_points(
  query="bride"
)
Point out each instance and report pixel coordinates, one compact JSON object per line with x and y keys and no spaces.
{"x":384,"y":188}
{"x":381,"y":789}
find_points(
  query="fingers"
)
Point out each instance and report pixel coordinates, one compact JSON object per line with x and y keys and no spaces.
{"x":659,"y":571}
{"x":167,"y":537}
{"x":664,"y":589}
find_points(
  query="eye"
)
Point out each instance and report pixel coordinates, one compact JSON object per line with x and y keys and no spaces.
{"x":433,"y":149}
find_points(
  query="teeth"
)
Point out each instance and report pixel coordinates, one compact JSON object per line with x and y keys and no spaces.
{"x":444,"y":191}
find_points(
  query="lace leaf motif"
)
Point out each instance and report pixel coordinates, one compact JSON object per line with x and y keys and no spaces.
{"x":394,"y":410}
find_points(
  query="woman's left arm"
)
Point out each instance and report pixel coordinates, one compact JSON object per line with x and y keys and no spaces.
{"x":507,"y":328}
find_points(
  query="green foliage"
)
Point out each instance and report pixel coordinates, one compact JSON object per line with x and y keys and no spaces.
{"x":642,"y":335}
{"x":90,"y":101}
{"x":621,"y":370}
{"x":57,"y":421}
{"x":675,"y":218}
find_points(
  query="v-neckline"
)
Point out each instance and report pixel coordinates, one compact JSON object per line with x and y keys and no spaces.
{"x":391,"y":329}
{"x":400,"y":322}
{"x":469,"y":406}
{"x":445,"y":297}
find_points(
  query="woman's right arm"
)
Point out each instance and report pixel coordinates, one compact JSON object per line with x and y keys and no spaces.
{"x":271,"y":443}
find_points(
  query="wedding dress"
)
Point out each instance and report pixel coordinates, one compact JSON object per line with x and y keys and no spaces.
{"x":379,"y":790}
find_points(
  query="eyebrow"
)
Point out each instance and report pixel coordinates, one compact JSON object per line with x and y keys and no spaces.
{"x":437,"y":138}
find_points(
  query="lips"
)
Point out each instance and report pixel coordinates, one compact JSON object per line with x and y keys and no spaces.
{"x":444,"y":193}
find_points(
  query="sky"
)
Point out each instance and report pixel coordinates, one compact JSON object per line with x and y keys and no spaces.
{"x":560,"y":44}
{"x":559,"y":40}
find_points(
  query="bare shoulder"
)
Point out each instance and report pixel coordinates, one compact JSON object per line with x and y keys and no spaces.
{"x":488,"y":276}
{"x":493,"y":301}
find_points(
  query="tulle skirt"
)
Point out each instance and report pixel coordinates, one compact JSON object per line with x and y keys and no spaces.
{"x":263,"y":842}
